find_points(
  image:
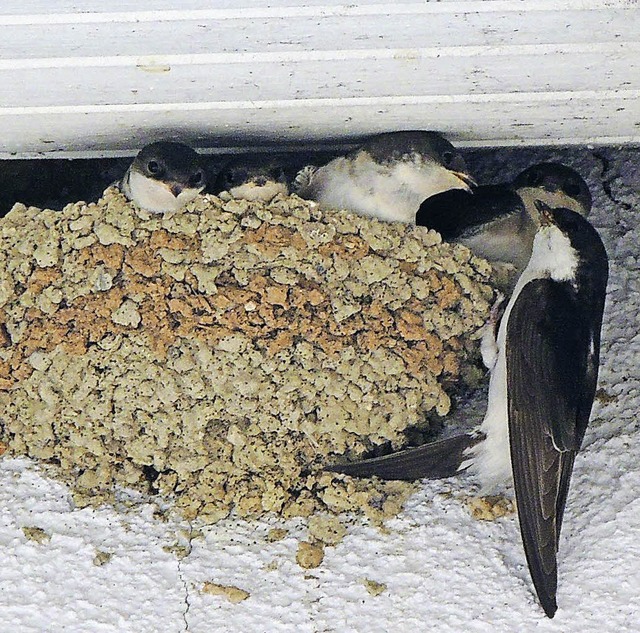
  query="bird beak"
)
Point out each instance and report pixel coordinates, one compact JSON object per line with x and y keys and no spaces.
{"x":468,"y":181}
{"x":176,"y":190}
{"x":544,"y":213}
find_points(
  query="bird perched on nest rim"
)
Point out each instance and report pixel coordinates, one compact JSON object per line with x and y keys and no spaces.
{"x":499,"y":222}
{"x":164,"y":176}
{"x":388,"y":176}
{"x":544,"y":368}
{"x":555,"y":184}
{"x":254,"y":178}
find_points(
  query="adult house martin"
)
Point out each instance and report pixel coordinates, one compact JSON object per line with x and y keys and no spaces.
{"x":544,"y":368}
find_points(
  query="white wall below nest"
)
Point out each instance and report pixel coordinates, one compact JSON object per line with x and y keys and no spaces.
{"x":81,"y":78}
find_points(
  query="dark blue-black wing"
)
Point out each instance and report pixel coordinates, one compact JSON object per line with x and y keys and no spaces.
{"x":457,"y":213}
{"x":552,"y":354}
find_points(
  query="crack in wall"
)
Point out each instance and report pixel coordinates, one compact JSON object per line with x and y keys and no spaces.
{"x":607,"y":181}
{"x":187,"y":601}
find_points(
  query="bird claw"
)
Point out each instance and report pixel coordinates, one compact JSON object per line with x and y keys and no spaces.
{"x":489,"y":344}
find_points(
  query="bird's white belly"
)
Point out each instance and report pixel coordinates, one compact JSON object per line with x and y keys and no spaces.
{"x":372,"y":192}
{"x":393,"y":194}
{"x":491,"y":459}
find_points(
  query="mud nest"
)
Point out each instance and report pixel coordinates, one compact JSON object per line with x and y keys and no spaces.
{"x":218,"y":356}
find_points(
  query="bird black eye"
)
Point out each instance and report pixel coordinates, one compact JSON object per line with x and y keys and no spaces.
{"x":153,"y":167}
{"x":196,"y":179}
{"x":534,"y":179}
{"x":447,"y":157}
{"x":571,"y":188}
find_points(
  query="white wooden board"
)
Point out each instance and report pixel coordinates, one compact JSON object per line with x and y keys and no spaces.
{"x":96,"y":78}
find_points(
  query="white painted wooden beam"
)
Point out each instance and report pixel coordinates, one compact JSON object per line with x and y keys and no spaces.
{"x":87,"y":77}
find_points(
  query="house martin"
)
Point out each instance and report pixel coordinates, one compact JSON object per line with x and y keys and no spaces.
{"x":254,"y":178}
{"x":388,"y":176}
{"x":164,"y":176}
{"x":542,"y":349}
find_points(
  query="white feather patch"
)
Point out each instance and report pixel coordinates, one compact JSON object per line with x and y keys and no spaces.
{"x":259,"y":193}
{"x":153,"y":195}
{"x":490,"y":460}
{"x":553,"y":257}
{"x":388,"y":192}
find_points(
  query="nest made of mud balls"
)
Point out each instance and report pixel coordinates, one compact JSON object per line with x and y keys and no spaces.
{"x":220,"y":355}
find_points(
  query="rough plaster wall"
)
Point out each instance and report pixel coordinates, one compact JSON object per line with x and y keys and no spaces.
{"x":442,"y":569}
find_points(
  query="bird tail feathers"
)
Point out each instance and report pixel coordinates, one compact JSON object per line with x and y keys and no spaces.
{"x":436,"y":460}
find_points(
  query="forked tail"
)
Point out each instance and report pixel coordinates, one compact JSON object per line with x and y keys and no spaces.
{"x":435,"y":460}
